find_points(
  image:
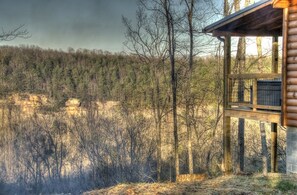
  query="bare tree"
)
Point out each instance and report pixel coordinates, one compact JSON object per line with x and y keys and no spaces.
{"x":147,"y":39}
{"x":41,"y":151}
{"x":189,"y":9}
{"x":171,"y":44}
{"x":194,"y":16}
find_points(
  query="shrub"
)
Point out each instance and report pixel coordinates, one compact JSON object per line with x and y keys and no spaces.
{"x":285,"y":186}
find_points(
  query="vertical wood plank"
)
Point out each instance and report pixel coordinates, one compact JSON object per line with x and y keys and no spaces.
{"x":284,"y":67}
{"x":274,"y":69}
{"x":273,"y":147}
{"x":255,"y":98}
{"x":227,"y":70}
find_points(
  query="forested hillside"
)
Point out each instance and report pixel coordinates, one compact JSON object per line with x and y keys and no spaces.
{"x":111,"y":135}
{"x":83,"y":74}
{"x":100,"y":145}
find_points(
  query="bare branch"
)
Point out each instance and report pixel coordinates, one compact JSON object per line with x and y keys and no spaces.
{"x":18,"y":32}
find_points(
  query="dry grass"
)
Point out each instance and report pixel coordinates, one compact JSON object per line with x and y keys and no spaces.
{"x":233,"y":184}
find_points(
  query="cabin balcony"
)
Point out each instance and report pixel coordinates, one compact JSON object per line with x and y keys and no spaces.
{"x":254,"y":96}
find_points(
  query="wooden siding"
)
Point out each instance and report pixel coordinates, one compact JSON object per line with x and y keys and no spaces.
{"x":281,"y":3}
{"x":290,"y":62}
{"x":284,"y":3}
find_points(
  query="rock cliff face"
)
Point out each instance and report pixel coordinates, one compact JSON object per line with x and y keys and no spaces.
{"x":30,"y":104}
{"x":73,"y":107}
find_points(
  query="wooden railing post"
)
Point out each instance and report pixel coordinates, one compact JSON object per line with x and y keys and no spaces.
{"x":274,"y":69}
{"x":255,"y":98}
{"x":273,"y":147}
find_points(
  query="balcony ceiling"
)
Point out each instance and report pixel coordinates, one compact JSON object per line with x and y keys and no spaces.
{"x":259,"y":19}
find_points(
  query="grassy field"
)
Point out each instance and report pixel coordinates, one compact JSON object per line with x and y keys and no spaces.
{"x":233,"y":184}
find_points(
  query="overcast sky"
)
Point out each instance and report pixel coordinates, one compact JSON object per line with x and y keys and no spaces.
{"x":59,"y":24}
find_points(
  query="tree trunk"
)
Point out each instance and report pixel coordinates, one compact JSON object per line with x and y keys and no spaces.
{"x":171,"y":50}
{"x":159,"y":130}
{"x":226,"y":168}
{"x":159,"y":151}
{"x":240,"y":65}
{"x":226,"y":8}
{"x":157,"y":111}
{"x":189,"y":139}
{"x":259,"y":51}
{"x":190,"y":7}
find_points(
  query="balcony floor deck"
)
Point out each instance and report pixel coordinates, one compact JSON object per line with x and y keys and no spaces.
{"x":260,"y":115}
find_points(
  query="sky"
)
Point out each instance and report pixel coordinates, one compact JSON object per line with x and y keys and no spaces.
{"x":60,"y":24}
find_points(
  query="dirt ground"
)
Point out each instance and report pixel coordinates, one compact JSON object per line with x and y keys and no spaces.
{"x":233,"y":184}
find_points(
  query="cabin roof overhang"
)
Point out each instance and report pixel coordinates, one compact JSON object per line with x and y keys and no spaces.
{"x":258,"y":19}
{"x":284,"y":3}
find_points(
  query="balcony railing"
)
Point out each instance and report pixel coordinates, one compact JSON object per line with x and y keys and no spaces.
{"x":254,"y":91}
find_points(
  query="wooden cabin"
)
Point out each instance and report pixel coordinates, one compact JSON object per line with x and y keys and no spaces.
{"x":270,"y":97}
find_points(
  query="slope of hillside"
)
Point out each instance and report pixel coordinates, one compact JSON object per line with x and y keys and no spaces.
{"x":233,"y":184}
